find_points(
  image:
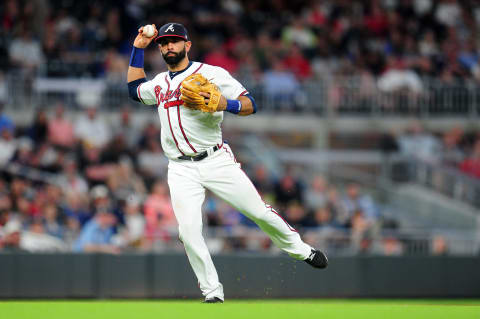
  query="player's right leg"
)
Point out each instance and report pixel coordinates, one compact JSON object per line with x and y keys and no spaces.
{"x":224,"y":177}
{"x":187,"y":196}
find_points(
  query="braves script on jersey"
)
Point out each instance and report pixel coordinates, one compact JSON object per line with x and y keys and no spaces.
{"x":185,"y":131}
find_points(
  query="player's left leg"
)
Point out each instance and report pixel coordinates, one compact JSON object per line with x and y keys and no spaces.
{"x":224,"y":177}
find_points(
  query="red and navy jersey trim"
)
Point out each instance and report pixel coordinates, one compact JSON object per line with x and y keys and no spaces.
{"x":139,"y":94}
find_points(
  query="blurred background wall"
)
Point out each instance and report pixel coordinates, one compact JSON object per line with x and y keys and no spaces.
{"x":366,"y":139}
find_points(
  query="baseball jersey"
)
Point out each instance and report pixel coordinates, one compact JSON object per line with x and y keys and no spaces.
{"x":185,"y":131}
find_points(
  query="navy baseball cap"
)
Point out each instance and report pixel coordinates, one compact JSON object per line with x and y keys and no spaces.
{"x":172,"y":30}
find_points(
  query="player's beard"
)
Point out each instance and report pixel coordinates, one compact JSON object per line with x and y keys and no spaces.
{"x":173,"y":60}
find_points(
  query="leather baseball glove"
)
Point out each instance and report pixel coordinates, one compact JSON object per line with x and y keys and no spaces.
{"x":192,"y":86}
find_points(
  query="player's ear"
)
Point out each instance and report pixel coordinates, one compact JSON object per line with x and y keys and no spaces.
{"x":188,"y":45}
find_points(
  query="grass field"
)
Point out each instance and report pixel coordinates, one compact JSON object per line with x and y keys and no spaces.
{"x":245,"y":309}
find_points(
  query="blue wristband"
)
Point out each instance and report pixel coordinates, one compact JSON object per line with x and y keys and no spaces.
{"x":136,"y":59}
{"x":234,"y":106}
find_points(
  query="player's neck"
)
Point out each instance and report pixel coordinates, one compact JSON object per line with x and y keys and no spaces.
{"x":182,"y":65}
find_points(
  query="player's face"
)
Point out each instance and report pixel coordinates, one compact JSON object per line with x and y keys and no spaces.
{"x":174,"y":49}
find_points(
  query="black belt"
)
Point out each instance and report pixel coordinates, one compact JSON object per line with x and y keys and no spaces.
{"x":197,"y":157}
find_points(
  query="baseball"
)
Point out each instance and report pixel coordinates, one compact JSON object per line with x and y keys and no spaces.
{"x":148,"y":30}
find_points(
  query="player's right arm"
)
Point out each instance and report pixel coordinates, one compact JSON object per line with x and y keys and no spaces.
{"x":137,"y":88}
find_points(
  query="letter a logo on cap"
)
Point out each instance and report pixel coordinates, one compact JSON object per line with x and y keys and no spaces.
{"x":170,"y":27}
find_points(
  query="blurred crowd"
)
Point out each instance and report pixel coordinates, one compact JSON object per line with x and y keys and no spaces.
{"x":271,"y":41}
{"x":457,"y":147}
{"x":97,"y":186}
{"x":91,"y":185}
{"x":409,"y":56}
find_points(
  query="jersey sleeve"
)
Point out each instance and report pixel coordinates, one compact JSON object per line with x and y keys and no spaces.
{"x":229,"y":86}
{"x":146,"y":92}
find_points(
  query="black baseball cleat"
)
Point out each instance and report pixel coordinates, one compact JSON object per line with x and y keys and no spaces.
{"x":317,"y":259}
{"x":213,"y":300}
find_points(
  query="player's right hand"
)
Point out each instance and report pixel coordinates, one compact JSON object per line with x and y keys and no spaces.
{"x":141,"y":41}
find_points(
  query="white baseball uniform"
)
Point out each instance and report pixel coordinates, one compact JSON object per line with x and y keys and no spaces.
{"x":190,"y":132}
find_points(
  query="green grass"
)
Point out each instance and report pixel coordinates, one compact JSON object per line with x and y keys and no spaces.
{"x":244,"y":309}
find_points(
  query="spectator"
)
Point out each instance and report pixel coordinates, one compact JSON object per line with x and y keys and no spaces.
{"x":376,"y":22}
{"x":127,"y":129}
{"x":263,"y":182}
{"x":439,"y":246}
{"x":317,"y":14}
{"x":39,"y":129}
{"x":6,"y":122}
{"x":288,"y":189}
{"x":71,"y":181}
{"x":468,"y":57}
{"x":320,"y":217}
{"x":71,"y":231}
{"x":101,"y":199}
{"x":115,"y":65}
{"x":19,"y":188}
{"x":117,"y":149}
{"x":427,"y":44}
{"x":95,"y":167}
{"x":398,"y":78}
{"x":355,"y":202}
{"x":5,"y":199}
{"x":37,"y":240}
{"x":10,"y":229}
{"x":26,"y":53}
{"x":152,"y":162}
{"x":336,"y":208}
{"x":280,"y":85}
{"x":448,"y":12}
{"x":8,"y":146}
{"x":91,"y":129}
{"x":360,"y":239}
{"x":60,"y":129}
{"x":24,"y":152}
{"x":97,"y":235}
{"x":220,"y":57}
{"x":420,"y":144}
{"x":132,"y":234}
{"x":52,"y":50}
{"x":316,"y":194}
{"x":471,"y":164}
{"x":297,"y":32}
{"x":150,"y":131}
{"x":451,"y":151}
{"x":392,"y":246}
{"x":295,"y":215}
{"x":158,"y":212}
{"x":298,"y":64}
{"x":10,"y":16}
{"x":52,"y":225}
{"x":123,"y":181}
{"x":76,"y":207}
{"x":388,"y":142}
{"x":47,"y":158}
{"x":263,"y":50}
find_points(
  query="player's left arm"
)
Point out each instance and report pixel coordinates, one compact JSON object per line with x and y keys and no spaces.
{"x":246,"y":107}
{"x":235,"y":98}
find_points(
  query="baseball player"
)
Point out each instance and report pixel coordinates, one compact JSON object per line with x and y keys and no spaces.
{"x":191,"y":98}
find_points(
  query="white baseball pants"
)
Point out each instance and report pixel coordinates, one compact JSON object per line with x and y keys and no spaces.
{"x":221,"y":174}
